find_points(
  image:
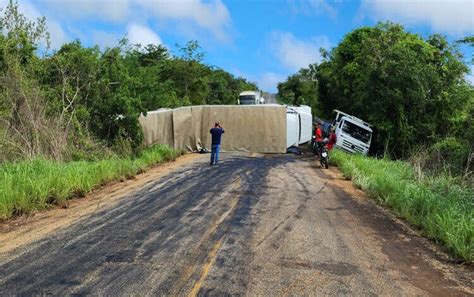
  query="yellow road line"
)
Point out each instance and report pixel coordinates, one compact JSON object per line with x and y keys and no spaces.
{"x":206,"y":268}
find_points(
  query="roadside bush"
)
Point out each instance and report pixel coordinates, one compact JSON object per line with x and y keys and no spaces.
{"x":83,"y":148}
{"x":442,"y":208}
{"x":449,"y":154}
{"x":448,"y":157}
{"x":29,"y":186}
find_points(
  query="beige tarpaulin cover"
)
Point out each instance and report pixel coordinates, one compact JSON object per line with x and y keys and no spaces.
{"x":255,"y":128}
{"x":158,"y":127}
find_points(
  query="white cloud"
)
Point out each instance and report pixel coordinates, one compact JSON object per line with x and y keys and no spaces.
{"x":294,"y":53}
{"x":454,"y":17}
{"x":57,"y":33}
{"x":192,"y":19}
{"x":105,"y":39}
{"x":269,"y":80}
{"x":109,"y":10}
{"x":29,"y":10}
{"x":309,"y":7}
{"x":211,"y":16}
{"x":138,"y":34}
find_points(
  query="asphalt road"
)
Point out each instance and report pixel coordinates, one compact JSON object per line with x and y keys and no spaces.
{"x":268,"y":225}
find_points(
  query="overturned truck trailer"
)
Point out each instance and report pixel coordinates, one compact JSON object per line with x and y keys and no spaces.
{"x":252,"y":128}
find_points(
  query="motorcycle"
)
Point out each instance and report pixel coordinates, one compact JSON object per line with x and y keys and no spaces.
{"x":320,"y":151}
{"x":323,"y":154}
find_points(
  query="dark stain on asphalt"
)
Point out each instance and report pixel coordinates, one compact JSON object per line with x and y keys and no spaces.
{"x":126,"y":256}
{"x":213,"y":292}
{"x":332,"y":267}
{"x":191,"y":231}
{"x":334,"y":208}
{"x":149,"y":239}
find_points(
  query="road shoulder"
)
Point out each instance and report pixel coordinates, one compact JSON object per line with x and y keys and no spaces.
{"x":404,"y":244}
{"x":23,"y":230}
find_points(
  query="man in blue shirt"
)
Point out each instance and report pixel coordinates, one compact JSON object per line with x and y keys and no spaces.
{"x":216,"y":133}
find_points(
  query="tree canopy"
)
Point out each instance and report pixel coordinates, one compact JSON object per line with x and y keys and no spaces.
{"x":94,"y":95}
{"x":413,"y":90}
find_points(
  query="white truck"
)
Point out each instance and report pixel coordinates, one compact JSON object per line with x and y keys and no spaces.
{"x":299,"y":122}
{"x":250,"y":98}
{"x":353,"y":134}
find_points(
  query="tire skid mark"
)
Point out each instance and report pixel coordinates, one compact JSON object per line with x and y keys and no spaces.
{"x":129,"y":253}
{"x":136,"y":207}
{"x":288,"y":217}
{"x":49,"y":223}
{"x":199,"y":251}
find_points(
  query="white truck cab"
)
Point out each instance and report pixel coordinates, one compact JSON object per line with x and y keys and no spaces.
{"x":250,"y":98}
{"x":353,"y":134}
{"x":299,"y":122}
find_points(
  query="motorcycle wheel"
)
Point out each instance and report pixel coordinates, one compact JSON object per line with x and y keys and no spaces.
{"x":324,"y":163}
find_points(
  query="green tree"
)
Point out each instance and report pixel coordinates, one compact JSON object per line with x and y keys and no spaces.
{"x":69,"y":77}
{"x":406,"y":86}
{"x":147,"y":66}
{"x":113,"y":109}
{"x":77,"y":99}
{"x":300,"y":89}
{"x":188,"y":75}
{"x":220,"y":91}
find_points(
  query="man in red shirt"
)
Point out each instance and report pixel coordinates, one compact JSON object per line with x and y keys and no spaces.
{"x":332,"y":139}
{"x":318,"y":133}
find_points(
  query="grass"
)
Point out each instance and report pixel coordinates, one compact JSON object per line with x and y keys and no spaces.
{"x":440,"y":206}
{"x":29,"y":186}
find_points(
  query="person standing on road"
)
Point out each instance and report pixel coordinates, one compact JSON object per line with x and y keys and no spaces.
{"x":318,"y":133}
{"x":332,"y":139}
{"x":216,"y":133}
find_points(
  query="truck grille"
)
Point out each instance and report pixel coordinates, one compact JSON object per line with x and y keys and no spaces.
{"x":352,"y":147}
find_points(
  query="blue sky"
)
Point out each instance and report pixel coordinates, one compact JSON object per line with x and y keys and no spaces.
{"x":262,"y":40}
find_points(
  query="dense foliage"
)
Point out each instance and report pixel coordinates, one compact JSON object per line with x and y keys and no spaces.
{"x":300,"y":89}
{"x":413,"y":90}
{"x":76,"y":101}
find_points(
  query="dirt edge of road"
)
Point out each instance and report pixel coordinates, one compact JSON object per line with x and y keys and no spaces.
{"x":22,"y":230}
{"x":437,"y":257}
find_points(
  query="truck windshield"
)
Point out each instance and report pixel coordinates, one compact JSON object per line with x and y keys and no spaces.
{"x":356,"y":132}
{"x":247,"y":99}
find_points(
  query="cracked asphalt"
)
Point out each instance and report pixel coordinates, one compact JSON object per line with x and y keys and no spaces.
{"x":267,"y":225}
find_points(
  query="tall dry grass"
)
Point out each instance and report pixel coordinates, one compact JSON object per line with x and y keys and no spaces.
{"x":27,"y":128}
